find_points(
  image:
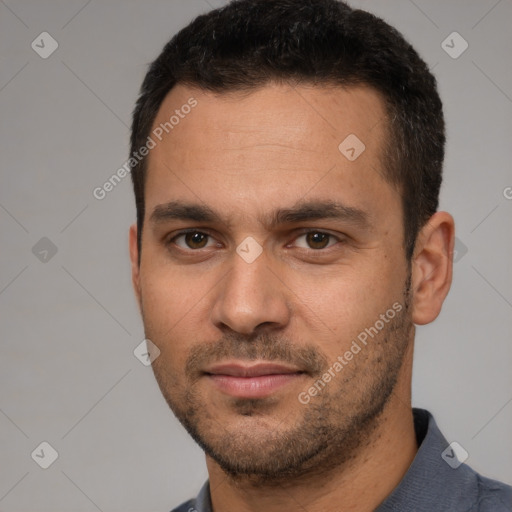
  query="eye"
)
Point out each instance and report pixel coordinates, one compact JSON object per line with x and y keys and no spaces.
{"x":316,"y":240}
{"x":191,"y":240}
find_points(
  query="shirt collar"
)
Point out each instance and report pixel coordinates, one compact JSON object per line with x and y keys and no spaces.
{"x":430,"y":482}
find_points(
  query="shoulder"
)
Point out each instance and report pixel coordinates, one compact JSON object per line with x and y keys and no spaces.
{"x":493,"y":496}
{"x":438,"y":480}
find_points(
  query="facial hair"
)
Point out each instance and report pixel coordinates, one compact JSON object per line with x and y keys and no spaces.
{"x":315,"y":437}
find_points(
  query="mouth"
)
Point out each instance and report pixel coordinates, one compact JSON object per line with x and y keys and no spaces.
{"x":255,"y":381}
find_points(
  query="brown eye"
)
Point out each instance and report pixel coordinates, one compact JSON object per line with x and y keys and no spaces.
{"x":192,"y":240}
{"x":317,"y":240}
{"x":196,"y":240}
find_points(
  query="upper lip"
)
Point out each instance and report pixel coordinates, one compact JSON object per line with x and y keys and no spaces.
{"x":255,"y":370}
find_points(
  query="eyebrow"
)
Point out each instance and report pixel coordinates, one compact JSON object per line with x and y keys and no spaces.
{"x":178,"y":210}
{"x":301,"y":212}
{"x":318,"y":210}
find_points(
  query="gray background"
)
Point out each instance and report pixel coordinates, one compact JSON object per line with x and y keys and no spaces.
{"x":70,"y":323}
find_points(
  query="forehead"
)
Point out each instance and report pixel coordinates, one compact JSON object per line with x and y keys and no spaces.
{"x":316,"y":116}
{"x":277,"y":143}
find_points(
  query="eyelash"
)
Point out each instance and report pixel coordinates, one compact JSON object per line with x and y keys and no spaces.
{"x":301,"y":233}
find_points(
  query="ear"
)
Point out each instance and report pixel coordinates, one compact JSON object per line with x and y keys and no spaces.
{"x":432,"y":267}
{"x":134,"y":257}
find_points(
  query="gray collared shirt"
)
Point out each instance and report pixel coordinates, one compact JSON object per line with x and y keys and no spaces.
{"x":433,"y":483}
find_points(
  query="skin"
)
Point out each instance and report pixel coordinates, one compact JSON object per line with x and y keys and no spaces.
{"x":300,"y":302}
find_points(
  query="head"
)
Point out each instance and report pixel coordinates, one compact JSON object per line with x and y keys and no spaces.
{"x":288,"y":213}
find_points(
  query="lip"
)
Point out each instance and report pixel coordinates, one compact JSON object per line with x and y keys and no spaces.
{"x":255,"y":381}
{"x":255,"y":370}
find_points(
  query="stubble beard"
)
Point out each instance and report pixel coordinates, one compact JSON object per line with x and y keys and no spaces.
{"x":326,"y":433}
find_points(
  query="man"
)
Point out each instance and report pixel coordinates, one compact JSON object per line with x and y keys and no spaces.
{"x":287,"y":242}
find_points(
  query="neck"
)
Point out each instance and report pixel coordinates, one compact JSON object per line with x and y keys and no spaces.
{"x":360,"y":484}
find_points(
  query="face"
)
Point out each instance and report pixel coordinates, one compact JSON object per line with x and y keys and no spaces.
{"x":273,"y":276}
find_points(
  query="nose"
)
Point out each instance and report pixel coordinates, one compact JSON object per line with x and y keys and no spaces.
{"x":252,"y":295}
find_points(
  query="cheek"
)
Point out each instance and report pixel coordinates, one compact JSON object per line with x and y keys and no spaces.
{"x":171,"y":307}
{"x":338,"y":305}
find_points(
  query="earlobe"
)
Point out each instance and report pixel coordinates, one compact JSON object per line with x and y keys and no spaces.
{"x":134,"y":257}
{"x":432,"y":267}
